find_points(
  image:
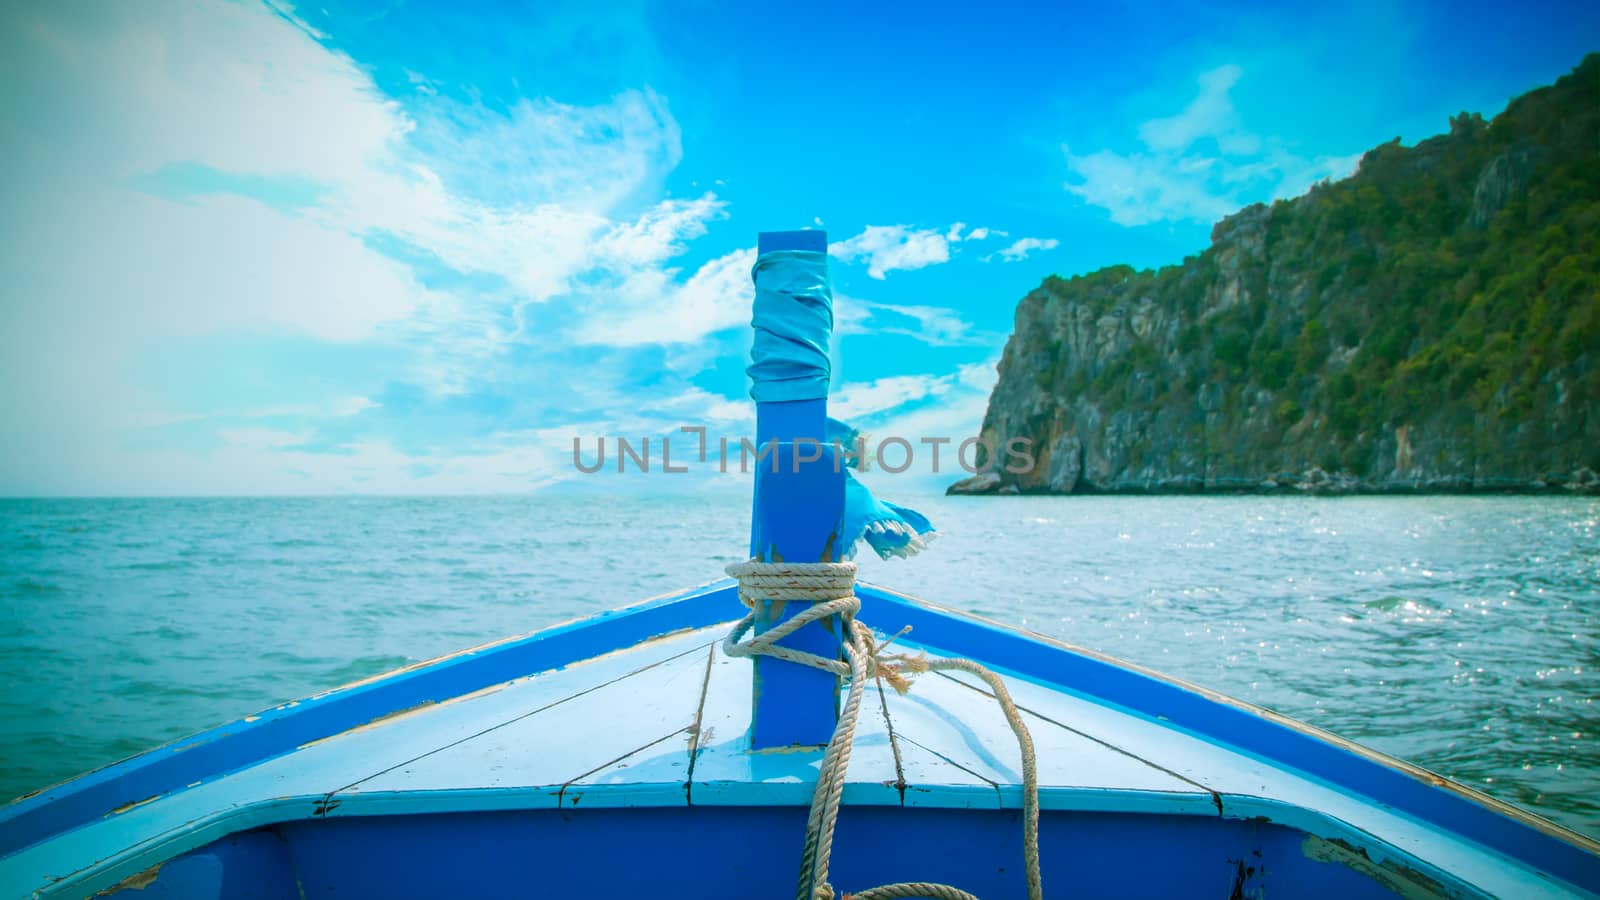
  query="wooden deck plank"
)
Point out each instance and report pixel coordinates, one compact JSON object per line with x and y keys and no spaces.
{"x":968,"y":730}
{"x":727,"y":773}
{"x":656,"y":774}
{"x":928,"y":778}
{"x":538,"y":755}
{"x":880,"y":762}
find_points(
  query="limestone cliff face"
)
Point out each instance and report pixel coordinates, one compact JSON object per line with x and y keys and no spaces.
{"x":1430,"y":324}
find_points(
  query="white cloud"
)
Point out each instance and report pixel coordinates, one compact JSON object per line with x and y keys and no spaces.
{"x":921,"y":410}
{"x":1323,"y":168}
{"x":936,"y":326}
{"x":696,"y":406}
{"x":114,"y":267}
{"x":660,"y":233}
{"x":337,"y":407}
{"x":1020,"y":248}
{"x":239,"y":90}
{"x":548,"y":204}
{"x":890,"y":248}
{"x":265,"y":461}
{"x":1209,"y":115}
{"x":586,"y":158}
{"x":1199,"y":164}
{"x":867,"y":399}
{"x":859,"y":399}
{"x":979,"y":376}
{"x":1138,"y":189}
{"x":954,"y":234}
{"x":649,"y":306}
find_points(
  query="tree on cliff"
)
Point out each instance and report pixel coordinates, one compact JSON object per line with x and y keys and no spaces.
{"x":1430,"y":323}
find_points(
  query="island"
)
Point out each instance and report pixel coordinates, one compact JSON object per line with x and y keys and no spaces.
{"x":1429,"y":324}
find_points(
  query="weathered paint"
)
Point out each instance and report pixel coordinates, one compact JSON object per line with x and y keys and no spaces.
{"x":1404,"y":881}
{"x":378,"y":721}
{"x":135,"y":882}
{"x":134,"y":805}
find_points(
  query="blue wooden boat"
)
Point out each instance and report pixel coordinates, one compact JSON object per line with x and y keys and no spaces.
{"x":661,"y":750}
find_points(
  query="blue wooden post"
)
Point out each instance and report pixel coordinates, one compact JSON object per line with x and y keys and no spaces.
{"x":796,"y":517}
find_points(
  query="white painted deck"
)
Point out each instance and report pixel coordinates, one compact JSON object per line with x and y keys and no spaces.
{"x":664,"y":724}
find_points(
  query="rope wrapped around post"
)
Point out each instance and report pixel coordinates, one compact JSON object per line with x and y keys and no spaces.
{"x":830,"y":588}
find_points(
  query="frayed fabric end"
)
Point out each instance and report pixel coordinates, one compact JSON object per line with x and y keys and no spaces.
{"x":894,"y":538}
{"x":890,"y":530}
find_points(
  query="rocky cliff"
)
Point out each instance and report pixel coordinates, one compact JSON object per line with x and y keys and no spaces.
{"x":1431,"y":323}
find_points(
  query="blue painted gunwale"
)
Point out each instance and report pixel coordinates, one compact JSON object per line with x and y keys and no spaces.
{"x":1274,"y":739}
{"x":282,"y":729}
{"x":1266,"y":735}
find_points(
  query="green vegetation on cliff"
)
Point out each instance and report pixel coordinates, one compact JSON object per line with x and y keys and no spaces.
{"x":1431,"y":322}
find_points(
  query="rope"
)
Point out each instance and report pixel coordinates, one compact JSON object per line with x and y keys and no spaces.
{"x":830,"y":587}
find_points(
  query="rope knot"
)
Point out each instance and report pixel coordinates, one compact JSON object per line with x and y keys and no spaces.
{"x":830,"y":588}
{"x":781,"y":581}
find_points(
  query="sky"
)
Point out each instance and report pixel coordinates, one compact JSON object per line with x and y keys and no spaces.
{"x":419,"y":248}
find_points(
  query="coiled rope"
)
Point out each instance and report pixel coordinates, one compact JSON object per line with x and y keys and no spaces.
{"x":830,"y":588}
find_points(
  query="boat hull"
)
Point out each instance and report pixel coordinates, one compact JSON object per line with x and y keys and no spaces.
{"x":534,"y":765}
{"x":698,"y":852}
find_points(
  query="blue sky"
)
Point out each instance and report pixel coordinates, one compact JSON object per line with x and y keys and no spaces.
{"x":255,"y":249}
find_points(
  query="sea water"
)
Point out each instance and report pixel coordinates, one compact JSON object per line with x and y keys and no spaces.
{"x":1461,"y":633}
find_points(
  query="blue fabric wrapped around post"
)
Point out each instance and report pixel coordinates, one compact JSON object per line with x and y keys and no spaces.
{"x":798,"y":510}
